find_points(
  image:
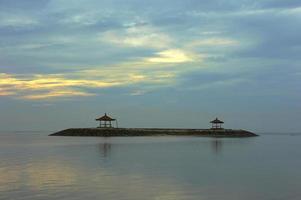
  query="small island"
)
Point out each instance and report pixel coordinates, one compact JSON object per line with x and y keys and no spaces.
{"x":106,"y":129}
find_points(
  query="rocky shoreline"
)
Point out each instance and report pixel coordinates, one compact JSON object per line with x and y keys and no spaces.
{"x":128,"y":132}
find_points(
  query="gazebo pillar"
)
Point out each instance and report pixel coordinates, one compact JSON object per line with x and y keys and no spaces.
{"x":216,"y":124}
{"x":105,"y":121}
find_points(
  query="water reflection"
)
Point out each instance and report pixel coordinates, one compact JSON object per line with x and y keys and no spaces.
{"x":150,"y":168}
{"x":104,"y":149}
{"x":216,"y":145}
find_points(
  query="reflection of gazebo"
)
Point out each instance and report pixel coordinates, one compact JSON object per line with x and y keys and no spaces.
{"x":216,"y":124}
{"x":106,"y":121}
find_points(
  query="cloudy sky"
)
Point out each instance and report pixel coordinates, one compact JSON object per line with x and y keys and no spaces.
{"x":171,"y":63}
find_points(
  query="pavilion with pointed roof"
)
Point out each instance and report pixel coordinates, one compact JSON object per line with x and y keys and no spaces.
{"x":106,"y":121}
{"x":216,"y":124}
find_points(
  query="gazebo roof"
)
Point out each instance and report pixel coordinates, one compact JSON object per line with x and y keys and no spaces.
{"x":217,"y":121}
{"x":105,"y":118}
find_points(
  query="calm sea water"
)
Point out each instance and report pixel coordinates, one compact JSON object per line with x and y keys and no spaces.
{"x":36,"y":166}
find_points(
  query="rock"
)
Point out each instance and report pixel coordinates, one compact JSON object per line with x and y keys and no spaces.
{"x":123,"y":132}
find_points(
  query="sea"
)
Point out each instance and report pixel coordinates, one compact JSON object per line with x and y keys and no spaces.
{"x":36,"y":166}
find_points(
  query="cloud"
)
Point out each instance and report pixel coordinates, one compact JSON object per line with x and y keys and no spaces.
{"x":219,"y":84}
{"x":211,"y":32}
{"x":4,"y":92}
{"x":82,"y":83}
{"x":137,"y":93}
{"x":137,"y":36}
{"x":42,"y":82}
{"x":37,"y":86}
{"x":17,"y":21}
{"x":214,"y":42}
{"x":84,"y":19}
{"x":117,"y":44}
{"x":170,"y":56}
{"x":56,"y":94}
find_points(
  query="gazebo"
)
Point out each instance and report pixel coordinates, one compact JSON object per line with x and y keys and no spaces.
{"x":216,"y":124}
{"x":106,"y":121}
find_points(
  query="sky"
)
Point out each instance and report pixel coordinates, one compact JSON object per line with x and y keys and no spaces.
{"x":171,"y":63}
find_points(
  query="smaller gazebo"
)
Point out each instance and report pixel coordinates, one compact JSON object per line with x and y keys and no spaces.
{"x":105,"y":121}
{"x":216,"y":124}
